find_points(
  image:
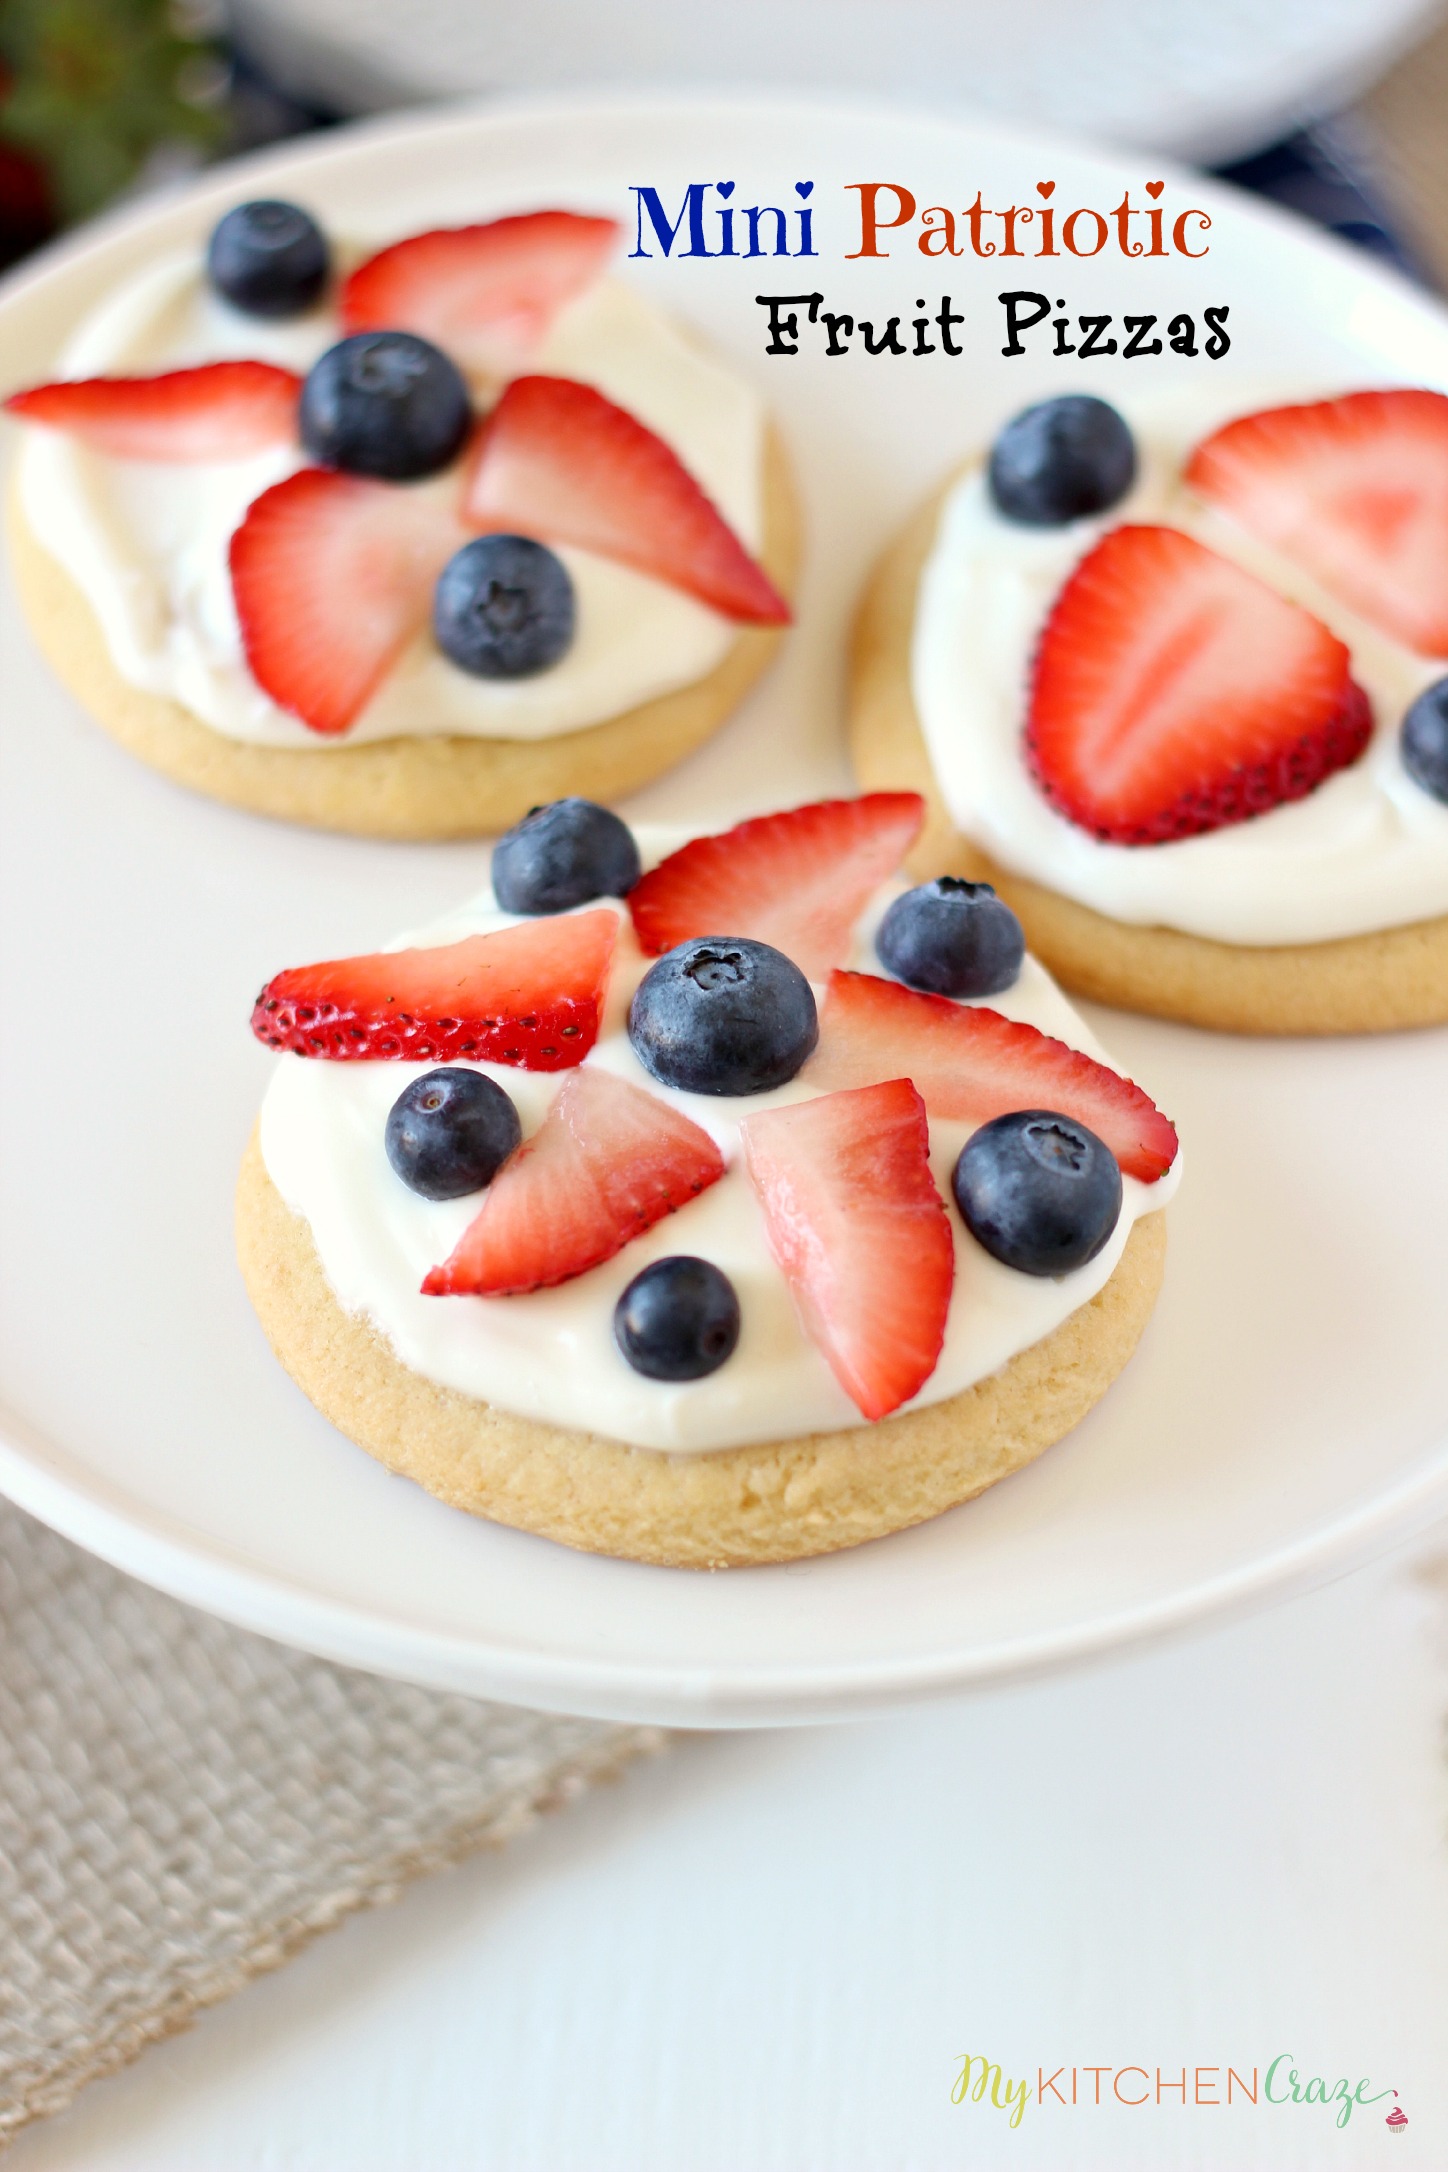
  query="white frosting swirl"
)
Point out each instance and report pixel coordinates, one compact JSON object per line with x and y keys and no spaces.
{"x":551,"y":1355}
{"x":146,"y":542}
{"x":1368,"y":849}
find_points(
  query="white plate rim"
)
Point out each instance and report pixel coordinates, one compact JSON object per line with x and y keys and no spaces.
{"x":204,"y":1573}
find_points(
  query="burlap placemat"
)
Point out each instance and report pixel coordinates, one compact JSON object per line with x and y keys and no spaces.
{"x":183,"y":1806}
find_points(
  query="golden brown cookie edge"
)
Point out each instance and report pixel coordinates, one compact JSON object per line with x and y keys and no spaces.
{"x":782,"y":1501}
{"x":432,"y":788}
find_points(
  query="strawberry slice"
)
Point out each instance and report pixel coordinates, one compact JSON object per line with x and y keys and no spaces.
{"x":556,"y":460}
{"x":798,"y":880}
{"x":1356,"y":491}
{"x":332,"y":576}
{"x":859,"y":1233}
{"x":530,"y":995}
{"x":971,"y":1064}
{"x":1173,"y":693}
{"x":605,"y":1164}
{"x":219,"y":411}
{"x":485,"y":294}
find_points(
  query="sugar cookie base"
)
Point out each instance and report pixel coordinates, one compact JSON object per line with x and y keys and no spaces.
{"x":402,"y":788}
{"x":776,"y":1502}
{"x":1360,"y":984}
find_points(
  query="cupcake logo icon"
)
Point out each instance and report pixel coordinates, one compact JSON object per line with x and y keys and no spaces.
{"x":1397,"y":2118}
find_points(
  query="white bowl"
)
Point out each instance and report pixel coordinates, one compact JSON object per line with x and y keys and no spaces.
{"x":1204,"y":79}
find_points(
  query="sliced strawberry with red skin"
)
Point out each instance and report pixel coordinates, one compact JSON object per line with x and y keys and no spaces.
{"x":530,"y":995}
{"x":218,"y":411}
{"x":485,"y":294}
{"x":605,"y":1164}
{"x":333,"y":575}
{"x":860,"y":1234}
{"x":1173,"y":693}
{"x":798,"y":880}
{"x":1356,"y":492}
{"x":556,"y":460}
{"x":971,"y":1064}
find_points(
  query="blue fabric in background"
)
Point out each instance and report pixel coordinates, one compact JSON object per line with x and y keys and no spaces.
{"x":1325,"y":174}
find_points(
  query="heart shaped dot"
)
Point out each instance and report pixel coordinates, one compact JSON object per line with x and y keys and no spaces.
{"x":1154,"y":188}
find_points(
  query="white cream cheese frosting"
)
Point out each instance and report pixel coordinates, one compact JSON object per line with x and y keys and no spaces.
{"x":146,"y":542}
{"x":550,"y":1355}
{"x":1367,"y":850}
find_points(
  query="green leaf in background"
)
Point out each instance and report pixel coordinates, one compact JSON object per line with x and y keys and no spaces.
{"x":95,"y":91}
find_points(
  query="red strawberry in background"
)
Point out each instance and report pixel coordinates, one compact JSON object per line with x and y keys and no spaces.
{"x":1356,"y":492}
{"x":1173,"y":693}
{"x":218,"y":411}
{"x":798,"y":881}
{"x":606,"y":1163}
{"x":486,"y":295}
{"x":27,"y":209}
{"x":860,"y":1234}
{"x":333,"y":575}
{"x":530,"y":995}
{"x":970,"y":1064}
{"x":558,"y":461}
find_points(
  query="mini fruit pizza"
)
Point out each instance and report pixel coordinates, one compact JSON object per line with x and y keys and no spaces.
{"x":702,"y":1201}
{"x":406,"y":547}
{"x":1183,"y":698}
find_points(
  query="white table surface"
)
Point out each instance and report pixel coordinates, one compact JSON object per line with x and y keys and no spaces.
{"x":769,"y":1951}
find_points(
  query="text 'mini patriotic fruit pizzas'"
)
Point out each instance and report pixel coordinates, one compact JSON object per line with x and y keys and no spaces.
{"x":702,"y":1200}
{"x":1180,"y":691}
{"x":404,"y":548}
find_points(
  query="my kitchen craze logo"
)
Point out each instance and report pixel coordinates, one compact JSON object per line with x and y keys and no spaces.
{"x":710,"y":219}
{"x":982,"y":2081}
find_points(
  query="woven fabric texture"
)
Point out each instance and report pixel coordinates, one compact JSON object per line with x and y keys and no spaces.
{"x":183,"y":1806}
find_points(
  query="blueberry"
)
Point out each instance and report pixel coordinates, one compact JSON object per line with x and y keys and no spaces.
{"x":1038,"y":1190}
{"x":450,"y":1132}
{"x":678,"y":1320}
{"x":386,"y":404}
{"x":952,"y":938}
{"x":1061,"y":460}
{"x":268,"y":258}
{"x":503,"y":607}
{"x":723,"y":1015}
{"x":1425,"y":740}
{"x":562,"y":855}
